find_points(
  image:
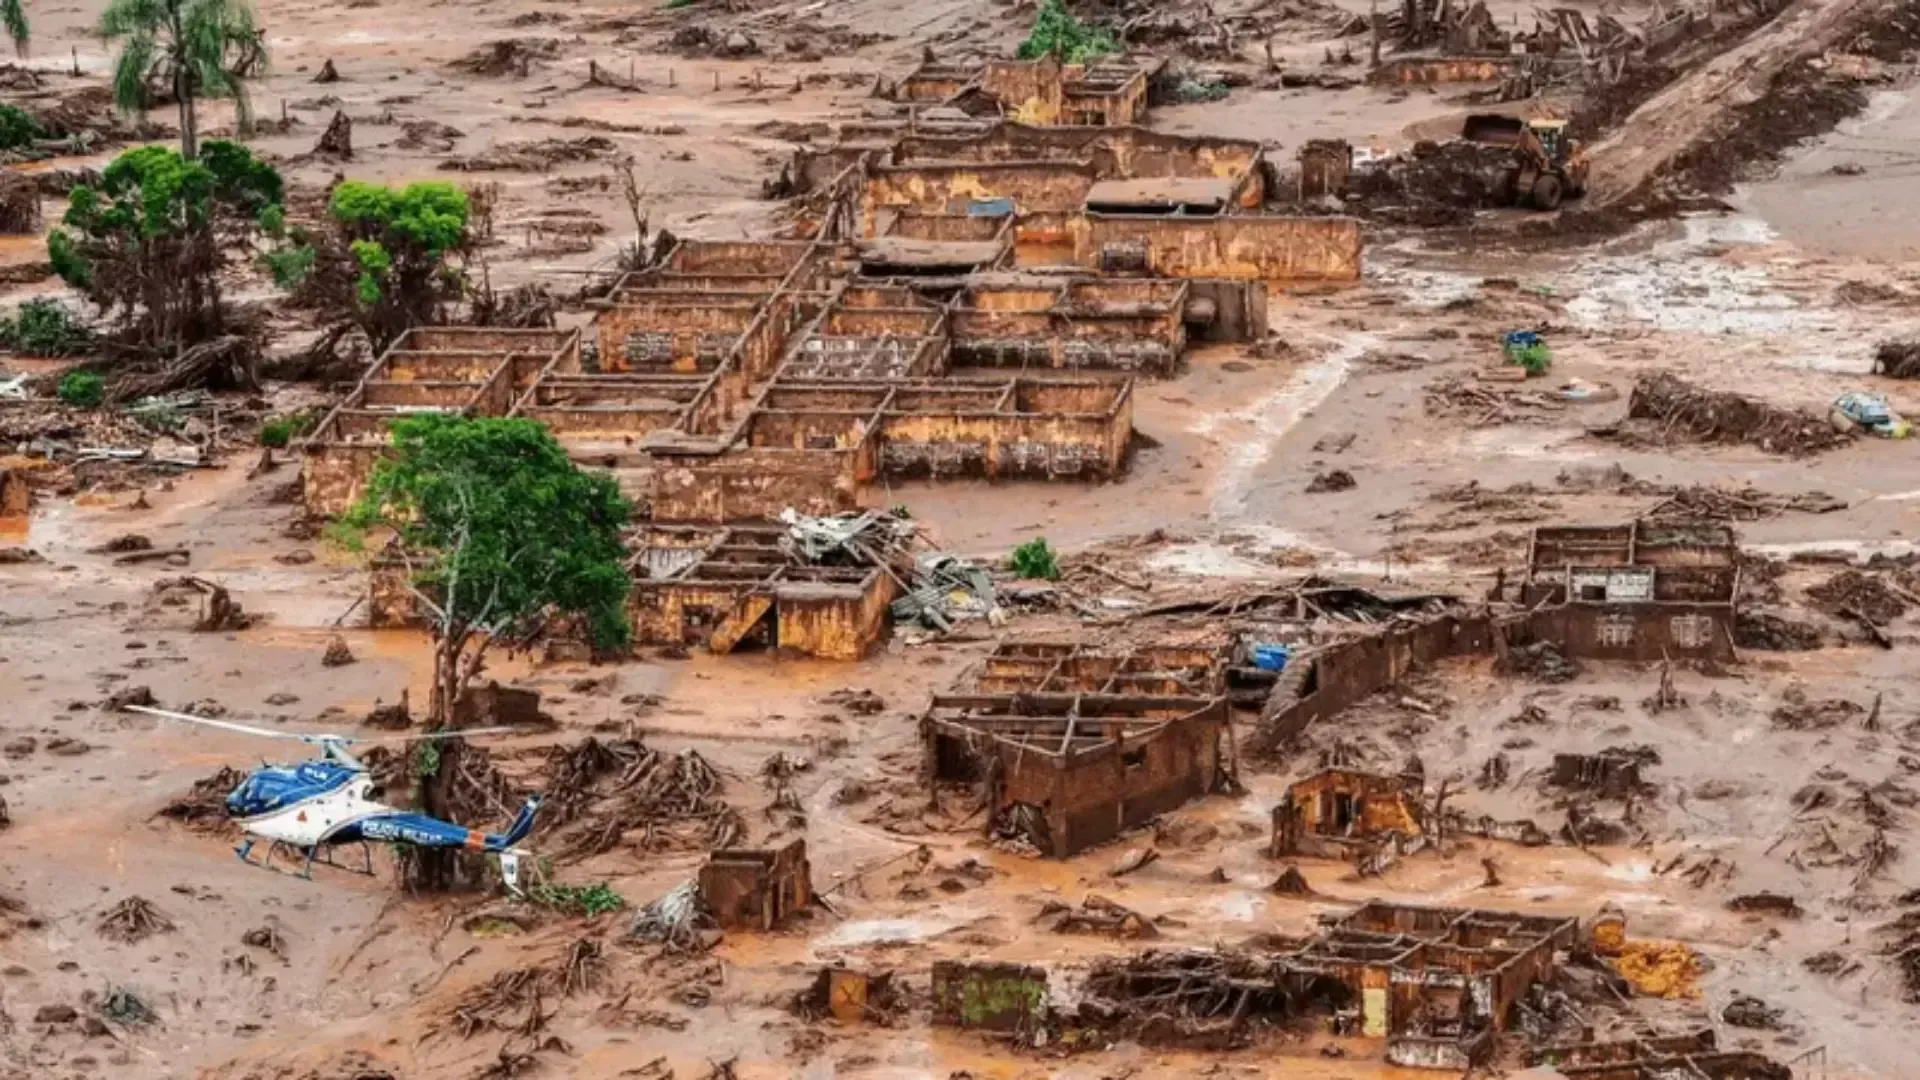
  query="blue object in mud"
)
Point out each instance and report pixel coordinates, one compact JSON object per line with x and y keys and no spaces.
{"x":1269,"y":657}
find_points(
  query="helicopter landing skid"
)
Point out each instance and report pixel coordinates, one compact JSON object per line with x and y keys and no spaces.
{"x":323,"y":854}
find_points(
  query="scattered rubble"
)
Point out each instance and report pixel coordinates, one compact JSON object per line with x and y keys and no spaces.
{"x":533,"y":155}
{"x":1676,"y":407}
{"x":1897,"y":359}
{"x":511,"y":58}
{"x":133,"y":920}
{"x":1095,"y":915}
{"x":1333,"y":480}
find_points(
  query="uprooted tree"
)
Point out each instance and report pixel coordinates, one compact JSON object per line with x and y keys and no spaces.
{"x":384,"y":259}
{"x":148,"y":246}
{"x":504,"y":535}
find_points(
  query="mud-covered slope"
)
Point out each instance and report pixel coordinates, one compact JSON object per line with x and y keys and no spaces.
{"x":1772,"y":89}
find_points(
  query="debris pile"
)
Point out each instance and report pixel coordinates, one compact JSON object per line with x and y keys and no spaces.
{"x":1897,"y":359}
{"x":1541,"y":661}
{"x":1797,"y":713}
{"x":1332,"y":480}
{"x":866,"y":538}
{"x":679,"y":920}
{"x":204,"y":807}
{"x":1701,"y":502}
{"x":1095,"y":915}
{"x":599,"y":791}
{"x":532,"y":155}
{"x":132,"y":920}
{"x":513,"y":57}
{"x":1462,"y":395}
{"x":1191,"y":997}
{"x":1432,"y":185}
{"x":1852,"y":594}
{"x":947,"y":589}
{"x":1775,"y":633}
{"x":1676,"y":407}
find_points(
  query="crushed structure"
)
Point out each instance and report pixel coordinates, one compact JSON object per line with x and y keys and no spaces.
{"x":1695,"y":1055}
{"x":1109,"y":93}
{"x":968,"y":291}
{"x":727,"y":587}
{"x":1072,"y":745}
{"x":753,"y":889}
{"x":1642,"y":591}
{"x":1346,"y":813}
{"x":460,"y":371}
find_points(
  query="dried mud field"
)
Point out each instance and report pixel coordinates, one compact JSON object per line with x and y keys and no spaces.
{"x":1347,"y":475}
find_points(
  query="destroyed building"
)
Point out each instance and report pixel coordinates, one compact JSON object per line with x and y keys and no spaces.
{"x":727,"y":587}
{"x":1344,"y":813}
{"x":461,"y":371}
{"x":756,"y":890}
{"x":1695,"y":1055}
{"x":1438,"y":983}
{"x":1643,"y":591}
{"x":1070,"y":745}
{"x":952,"y":299}
{"x":1105,"y":94}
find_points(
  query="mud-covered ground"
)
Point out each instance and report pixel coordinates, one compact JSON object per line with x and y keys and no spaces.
{"x":1785,"y":299}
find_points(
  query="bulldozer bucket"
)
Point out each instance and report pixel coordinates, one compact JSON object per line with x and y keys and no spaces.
{"x":1493,"y":129}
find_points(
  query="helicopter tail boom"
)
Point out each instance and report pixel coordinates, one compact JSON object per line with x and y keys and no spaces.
{"x":516,"y":832}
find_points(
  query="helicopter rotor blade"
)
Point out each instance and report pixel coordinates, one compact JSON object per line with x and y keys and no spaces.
{"x":460,"y":734}
{"x":244,"y":729}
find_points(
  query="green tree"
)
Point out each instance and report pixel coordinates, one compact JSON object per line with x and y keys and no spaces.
{"x":1057,"y":33}
{"x":196,"y":48}
{"x":14,"y":14}
{"x":383,"y":257}
{"x":151,"y":242}
{"x":503,"y":534}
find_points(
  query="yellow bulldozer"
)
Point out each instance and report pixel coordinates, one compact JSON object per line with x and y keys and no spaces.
{"x":1548,"y":165}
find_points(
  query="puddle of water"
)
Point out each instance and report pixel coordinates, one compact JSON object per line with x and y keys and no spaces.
{"x":877,"y":931}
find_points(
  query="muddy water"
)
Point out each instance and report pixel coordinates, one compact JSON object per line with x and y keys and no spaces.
{"x":1867,"y":215}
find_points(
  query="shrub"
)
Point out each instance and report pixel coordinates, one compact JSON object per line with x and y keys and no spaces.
{"x":1034,"y":559}
{"x":16,"y":127}
{"x":45,"y":328}
{"x":278,"y":431}
{"x":82,"y":389}
{"x":588,"y":900}
{"x":1058,"y":34}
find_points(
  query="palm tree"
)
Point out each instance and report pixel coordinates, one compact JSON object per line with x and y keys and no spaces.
{"x":14,"y":14}
{"x":201,"y":48}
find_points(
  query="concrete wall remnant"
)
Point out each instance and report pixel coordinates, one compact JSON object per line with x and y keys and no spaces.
{"x":1265,"y":247}
{"x":732,"y":587}
{"x":461,"y":371}
{"x":989,"y":997}
{"x":1072,"y":768}
{"x":756,"y":890}
{"x":1338,"y":813}
{"x":1640,"y":591}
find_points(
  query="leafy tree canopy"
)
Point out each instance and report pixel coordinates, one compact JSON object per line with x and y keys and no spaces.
{"x":152,"y":239}
{"x":509,"y":525}
{"x":1057,"y":33}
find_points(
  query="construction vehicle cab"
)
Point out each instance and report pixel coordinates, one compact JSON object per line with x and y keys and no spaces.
{"x":1548,"y":165}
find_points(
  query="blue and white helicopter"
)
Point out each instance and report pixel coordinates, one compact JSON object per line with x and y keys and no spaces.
{"x":313,"y":806}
